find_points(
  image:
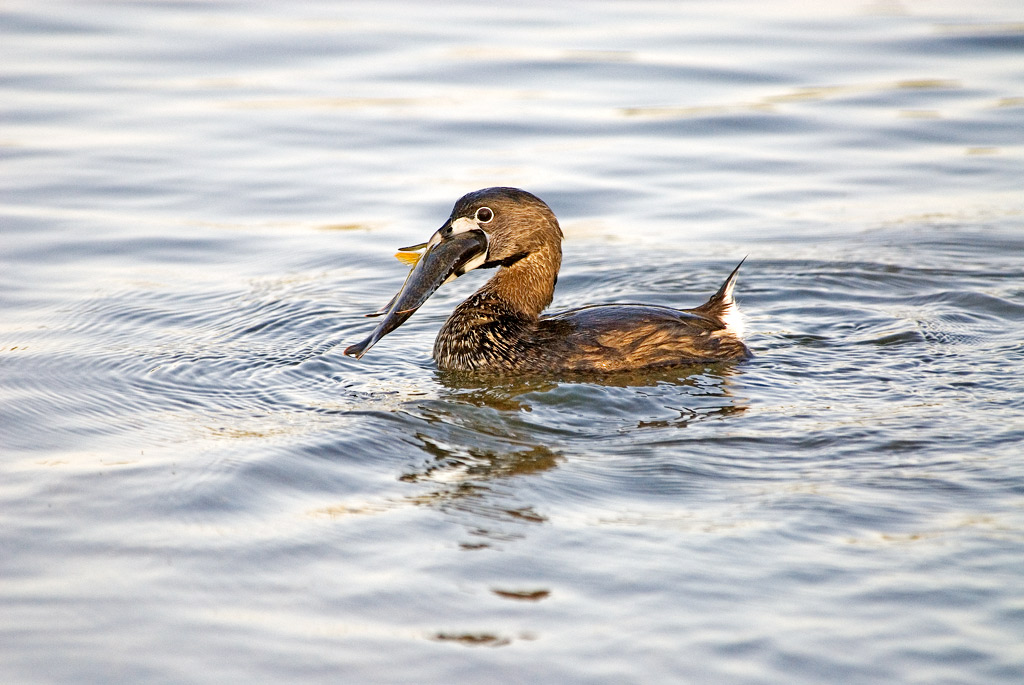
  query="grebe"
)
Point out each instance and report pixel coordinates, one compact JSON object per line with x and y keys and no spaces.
{"x":500,"y":330}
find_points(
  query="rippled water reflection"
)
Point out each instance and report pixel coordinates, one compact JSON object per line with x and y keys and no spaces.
{"x":201,"y":201}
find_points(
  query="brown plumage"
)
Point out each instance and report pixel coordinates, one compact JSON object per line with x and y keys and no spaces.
{"x":500,"y":329}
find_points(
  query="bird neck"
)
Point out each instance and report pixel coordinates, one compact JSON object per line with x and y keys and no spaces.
{"x":528,"y":285}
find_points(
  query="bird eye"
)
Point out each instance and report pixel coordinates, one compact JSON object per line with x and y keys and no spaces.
{"x":484,"y":215}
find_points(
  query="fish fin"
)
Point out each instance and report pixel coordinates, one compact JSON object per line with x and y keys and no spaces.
{"x":410,"y":258}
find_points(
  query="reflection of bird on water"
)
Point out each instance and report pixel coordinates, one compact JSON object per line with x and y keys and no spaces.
{"x":499,"y":329}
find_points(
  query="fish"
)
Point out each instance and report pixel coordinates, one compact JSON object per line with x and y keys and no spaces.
{"x":441,"y":262}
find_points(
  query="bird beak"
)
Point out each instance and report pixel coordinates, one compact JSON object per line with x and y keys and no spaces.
{"x":454,"y":249}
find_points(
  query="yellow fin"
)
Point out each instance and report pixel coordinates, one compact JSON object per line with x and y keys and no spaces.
{"x":410,"y":258}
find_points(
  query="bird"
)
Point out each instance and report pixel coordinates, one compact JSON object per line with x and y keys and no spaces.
{"x":501,"y":329}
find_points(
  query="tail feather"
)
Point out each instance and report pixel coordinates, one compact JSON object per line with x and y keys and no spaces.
{"x":722,"y":305}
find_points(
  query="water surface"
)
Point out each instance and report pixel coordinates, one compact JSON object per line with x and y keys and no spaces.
{"x":200,"y":202}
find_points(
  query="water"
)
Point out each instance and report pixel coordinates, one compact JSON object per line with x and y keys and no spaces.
{"x":201,"y":200}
